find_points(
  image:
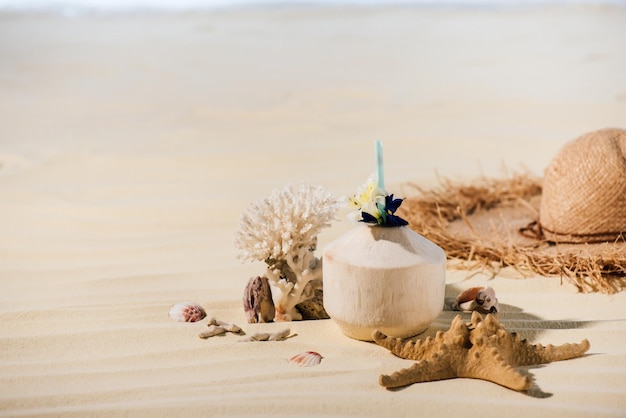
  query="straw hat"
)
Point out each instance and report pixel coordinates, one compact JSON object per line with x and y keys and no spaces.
{"x":584,"y":191}
{"x":572,"y":224}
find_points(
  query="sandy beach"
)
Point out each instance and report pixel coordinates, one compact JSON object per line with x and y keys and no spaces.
{"x":131,"y":144}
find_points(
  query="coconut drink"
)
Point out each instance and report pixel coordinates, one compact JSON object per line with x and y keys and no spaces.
{"x":381,"y":274}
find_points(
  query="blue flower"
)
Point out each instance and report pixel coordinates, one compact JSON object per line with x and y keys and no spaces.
{"x":391,"y":205}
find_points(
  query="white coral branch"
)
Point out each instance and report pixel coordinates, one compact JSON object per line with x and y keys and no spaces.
{"x":306,"y":269}
{"x":282,"y":230}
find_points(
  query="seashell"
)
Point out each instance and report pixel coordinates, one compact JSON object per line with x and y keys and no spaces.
{"x":306,"y":359}
{"x":187,"y":312}
{"x":481,"y":298}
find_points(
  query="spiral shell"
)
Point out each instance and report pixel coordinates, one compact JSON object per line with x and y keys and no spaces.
{"x":480,"y":298}
{"x":306,"y":359}
{"x":187,"y":312}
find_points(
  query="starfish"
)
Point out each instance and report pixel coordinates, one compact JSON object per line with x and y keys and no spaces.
{"x":480,"y":349}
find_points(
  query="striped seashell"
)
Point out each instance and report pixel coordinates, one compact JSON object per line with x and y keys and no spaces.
{"x":306,"y":359}
{"x":187,"y":312}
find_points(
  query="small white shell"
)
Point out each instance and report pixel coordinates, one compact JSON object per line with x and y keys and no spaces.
{"x":481,"y":298}
{"x":187,"y":312}
{"x":306,"y":359}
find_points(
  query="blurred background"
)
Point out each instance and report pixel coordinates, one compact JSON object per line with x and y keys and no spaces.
{"x":134,"y":133}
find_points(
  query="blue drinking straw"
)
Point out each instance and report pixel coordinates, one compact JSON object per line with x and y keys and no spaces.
{"x":379,"y":165}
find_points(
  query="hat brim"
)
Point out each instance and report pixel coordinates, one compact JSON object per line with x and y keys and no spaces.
{"x":478,"y":224}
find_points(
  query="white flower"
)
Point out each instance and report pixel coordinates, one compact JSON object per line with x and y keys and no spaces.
{"x":367,"y":200}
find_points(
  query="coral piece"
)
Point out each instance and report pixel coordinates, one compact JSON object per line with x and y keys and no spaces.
{"x":218,"y":328}
{"x":212,"y":332}
{"x":481,"y":298}
{"x":281,"y":230}
{"x":306,"y":359}
{"x":187,"y":312}
{"x":480,"y":349}
{"x":267,"y":336}
{"x":257,"y":301}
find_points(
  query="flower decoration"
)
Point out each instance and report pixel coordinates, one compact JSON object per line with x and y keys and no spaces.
{"x":374,"y":206}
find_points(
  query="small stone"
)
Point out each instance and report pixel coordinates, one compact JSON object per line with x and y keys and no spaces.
{"x":257,"y":300}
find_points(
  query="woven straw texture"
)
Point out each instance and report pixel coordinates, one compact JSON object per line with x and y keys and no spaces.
{"x":584,"y":190}
{"x":478,"y":224}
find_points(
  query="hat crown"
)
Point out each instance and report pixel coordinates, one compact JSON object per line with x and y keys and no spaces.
{"x":584,"y":189}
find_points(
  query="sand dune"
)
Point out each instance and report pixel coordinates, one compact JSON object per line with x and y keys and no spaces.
{"x":130,"y":145}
